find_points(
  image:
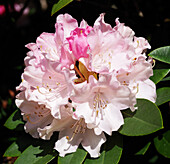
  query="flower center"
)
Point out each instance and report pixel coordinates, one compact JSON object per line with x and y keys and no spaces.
{"x":82,"y":73}
{"x":103,"y":59}
{"x":79,"y":127}
{"x":99,"y":103}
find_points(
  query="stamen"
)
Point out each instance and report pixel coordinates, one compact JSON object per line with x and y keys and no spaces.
{"x":38,"y":88}
{"x":137,"y":88}
{"x":41,"y":111}
{"x":47,"y":88}
{"x":124,"y":83}
{"x":79,"y":126}
{"x":99,"y":103}
{"x":154,"y":62}
{"x":57,"y":83}
{"x":34,"y":122}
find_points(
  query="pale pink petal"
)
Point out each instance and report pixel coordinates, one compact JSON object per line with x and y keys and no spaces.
{"x":32,"y":128}
{"x":84,"y":110}
{"x":112,"y":119}
{"x":100,"y":24}
{"x":95,"y":40}
{"x":33,"y":75}
{"x":36,"y":114}
{"x":97,"y":130}
{"x":83,"y":24}
{"x":59,"y":34}
{"x":67,"y":58}
{"x":46,"y":44}
{"x":147,"y":90}
{"x":121,"y":98}
{"x":141,"y":44}
{"x":92,"y":143}
{"x":125,"y":31}
{"x":68,"y":23}
{"x":56,"y":125}
{"x":63,"y":146}
{"x":140,"y":70}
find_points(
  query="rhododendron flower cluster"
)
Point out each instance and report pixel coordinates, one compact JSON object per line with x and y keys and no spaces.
{"x":79,"y":79}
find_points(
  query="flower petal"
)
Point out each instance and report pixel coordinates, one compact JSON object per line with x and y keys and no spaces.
{"x":147,"y":90}
{"x":92,"y":142}
{"x":112,"y":120}
{"x":56,"y":125}
{"x":63,"y":146}
{"x":68,"y":23}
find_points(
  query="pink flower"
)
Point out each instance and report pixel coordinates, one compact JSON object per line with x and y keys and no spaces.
{"x":73,"y":39}
{"x":100,"y":102}
{"x":2,"y":10}
{"x":73,"y":131}
{"x":109,"y":49}
{"x":78,"y":43}
{"x":79,"y":79}
{"x":35,"y":111}
{"x":45,"y":75}
{"x":18,"y":7}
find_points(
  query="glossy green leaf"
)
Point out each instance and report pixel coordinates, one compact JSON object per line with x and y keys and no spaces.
{"x":14,"y":121}
{"x":163,"y":95}
{"x":166,"y":79}
{"x":159,"y":74}
{"x":162,"y":54}
{"x":147,"y":119}
{"x":12,"y":151}
{"x":163,"y":144}
{"x":144,"y":149}
{"x":19,"y":145}
{"x":39,"y":152}
{"x":76,"y":158}
{"x":111,"y":153}
{"x":61,"y":3}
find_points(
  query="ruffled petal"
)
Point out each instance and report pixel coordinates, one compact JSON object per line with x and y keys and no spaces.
{"x":92,"y":142}
{"x":112,"y":119}
{"x":147,"y":90}
{"x":68,"y":23}
{"x":46,"y":44}
{"x":56,"y":125}
{"x":100,"y":24}
{"x":63,"y":146}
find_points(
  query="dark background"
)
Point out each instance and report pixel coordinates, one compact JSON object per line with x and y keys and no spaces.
{"x":148,"y":18}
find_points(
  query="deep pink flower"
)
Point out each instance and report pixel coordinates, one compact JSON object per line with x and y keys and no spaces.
{"x":2,"y":10}
{"x":78,"y":43}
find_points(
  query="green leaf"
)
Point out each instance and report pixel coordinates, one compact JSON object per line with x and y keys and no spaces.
{"x":61,"y":3}
{"x":39,"y":152}
{"x":162,"y":54}
{"x":144,"y":149}
{"x":159,"y":74}
{"x":163,"y":145}
{"x":111,"y":153}
{"x":14,"y":121}
{"x":76,"y":158}
{"x":19,"y":145}
{"x":12,"y":151}
{"x":166,"y":79}
{"x":147,"y":119}
{"x":163,"y":95}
